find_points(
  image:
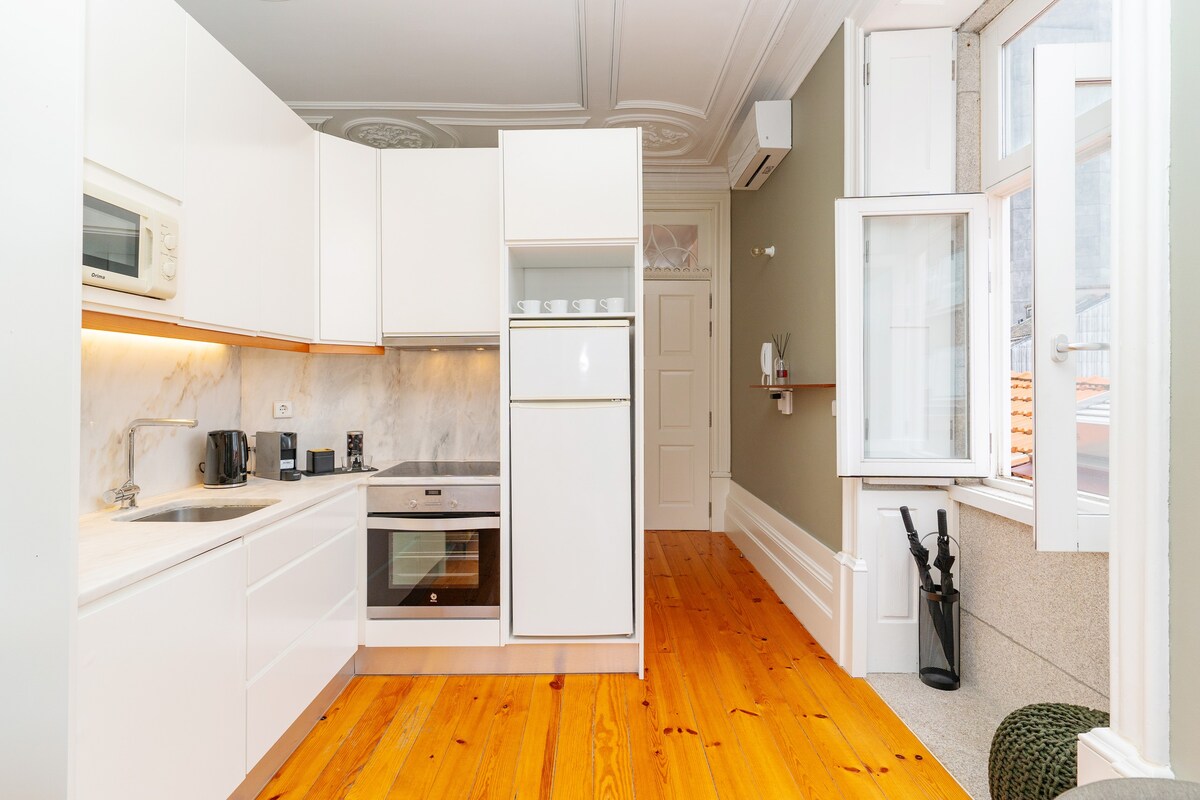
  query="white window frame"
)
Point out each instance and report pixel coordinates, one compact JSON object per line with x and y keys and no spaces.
{"x":1002,"y":177}
{"x":849,"y":214}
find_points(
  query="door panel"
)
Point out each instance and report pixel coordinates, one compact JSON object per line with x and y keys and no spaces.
{"x":572,"y":519}
{"x":677,"y":405}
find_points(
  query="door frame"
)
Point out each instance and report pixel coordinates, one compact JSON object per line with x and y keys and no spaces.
{"x":716,"y":205}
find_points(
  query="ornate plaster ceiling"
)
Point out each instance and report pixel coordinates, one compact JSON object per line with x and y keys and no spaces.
{"x":450,"y":73}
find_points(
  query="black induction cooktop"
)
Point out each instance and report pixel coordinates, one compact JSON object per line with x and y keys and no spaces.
{"x":442,"y":469}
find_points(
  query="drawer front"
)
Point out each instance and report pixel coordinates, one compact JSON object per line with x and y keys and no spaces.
{"x":276,"y":545}
{"x":281,"y":609}
{"x":276,"y":698}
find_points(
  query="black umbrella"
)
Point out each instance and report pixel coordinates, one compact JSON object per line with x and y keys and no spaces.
{"x":920,"y":552}
{"x":944,"y":562}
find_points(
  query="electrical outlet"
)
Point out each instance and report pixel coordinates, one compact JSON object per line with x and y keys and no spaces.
{"x":282,"y":409}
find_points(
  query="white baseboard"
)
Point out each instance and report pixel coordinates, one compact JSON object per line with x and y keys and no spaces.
{"x":801,"y":570}
{"x":1104,"y":754}
{"x":718,"y":487}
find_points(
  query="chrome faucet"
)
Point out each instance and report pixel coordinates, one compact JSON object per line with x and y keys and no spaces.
{"x":126,"y":494}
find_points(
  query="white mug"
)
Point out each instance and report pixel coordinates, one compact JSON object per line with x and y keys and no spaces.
{"x":556,"y":306}
{"x":584,"y":306}
{"x":530,"y":306}
{"x":613,"y":305}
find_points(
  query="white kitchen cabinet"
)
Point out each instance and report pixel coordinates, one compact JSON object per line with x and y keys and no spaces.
{"x":349,"y":251}
{"x":249,"y":200}
{"x":301,"y":615}
{"x":572,"y":514}
{"x":161,"y":684}
{"x":134,"y":90}
{"x":571,"y":184}
{"x":440,"y":211}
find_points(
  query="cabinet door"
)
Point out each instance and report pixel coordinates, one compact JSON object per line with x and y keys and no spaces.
{"x":161,"y":684}
{"x":349,"y":262}
{"x":249,"y":200}
{"x":441,"y":241}
{"x":572,"y":519}
{"x":583,"y":184}
{"x":134,"y":90}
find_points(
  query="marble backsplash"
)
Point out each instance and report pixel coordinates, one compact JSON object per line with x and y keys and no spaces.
{"x":124,"y":377}
{"x":410,"y":404}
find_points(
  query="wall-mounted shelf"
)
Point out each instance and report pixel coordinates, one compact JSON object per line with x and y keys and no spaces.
{"x":779,"y":386}
{"x":598,"y":315}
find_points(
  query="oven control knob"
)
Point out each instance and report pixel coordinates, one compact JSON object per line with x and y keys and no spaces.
{"x":453,"y":503}
{"x":412,"y":503}
{"x":169,"y":241}
{"x":168,"y":267}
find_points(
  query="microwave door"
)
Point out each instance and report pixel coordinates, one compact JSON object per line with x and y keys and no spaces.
{"x":111,"y":237}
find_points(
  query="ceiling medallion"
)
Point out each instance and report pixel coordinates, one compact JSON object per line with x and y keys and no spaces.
{"x":389,"y":135}
{"x":657,"y":136}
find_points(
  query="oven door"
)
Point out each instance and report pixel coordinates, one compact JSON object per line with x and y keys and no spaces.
{"x":433,"y":567}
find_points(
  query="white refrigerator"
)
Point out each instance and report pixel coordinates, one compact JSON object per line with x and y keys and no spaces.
{"x":571,"y":472}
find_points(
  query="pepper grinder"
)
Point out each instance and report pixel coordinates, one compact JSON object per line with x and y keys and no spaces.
{"x":354,"y":451}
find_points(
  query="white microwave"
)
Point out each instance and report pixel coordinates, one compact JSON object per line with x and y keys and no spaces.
{"x":128,"y":246}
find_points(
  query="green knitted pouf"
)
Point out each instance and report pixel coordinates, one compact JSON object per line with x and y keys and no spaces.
{"x":1034,"y":750}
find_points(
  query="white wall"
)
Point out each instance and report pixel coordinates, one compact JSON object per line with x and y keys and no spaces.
{"x":41,"y":61}
{"x":410,"y":404}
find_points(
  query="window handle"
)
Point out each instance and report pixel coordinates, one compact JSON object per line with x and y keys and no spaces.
{"x":1063,"y":347}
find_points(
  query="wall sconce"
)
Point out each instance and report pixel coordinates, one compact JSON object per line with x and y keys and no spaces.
{"x":768,"y":251}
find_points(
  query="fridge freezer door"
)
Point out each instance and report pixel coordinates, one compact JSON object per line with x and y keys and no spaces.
{"x":572,"y":519}
{"x":569,"y":363}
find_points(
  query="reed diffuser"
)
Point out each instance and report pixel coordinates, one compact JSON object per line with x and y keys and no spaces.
{"x":781,"y":344}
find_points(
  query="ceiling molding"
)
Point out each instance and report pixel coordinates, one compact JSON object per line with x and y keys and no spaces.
{"x":661,"y":105}
{"x":737,"y":110}
{"x":500,"y":122}
{"x":581,"y":31}
{"x":659,"y":134}
{"x":387,"y":133}
{"x":696,"y":179}
{"x":316,"y":122}
{"x":818,"y":34}
{"x":516,"y":108}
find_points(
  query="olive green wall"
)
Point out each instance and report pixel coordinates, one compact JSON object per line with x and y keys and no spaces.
{"x":790,"y":462}
{"x":1185,"y":391}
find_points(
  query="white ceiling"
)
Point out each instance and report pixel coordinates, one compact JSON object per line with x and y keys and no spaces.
{"x":450,"y":73}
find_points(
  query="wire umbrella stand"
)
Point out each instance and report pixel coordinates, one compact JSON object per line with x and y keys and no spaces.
{"x":940,"y":664}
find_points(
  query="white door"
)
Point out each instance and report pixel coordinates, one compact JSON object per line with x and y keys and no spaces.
{"x":572,"y":519}
{"x":1072,"y":376}
{"x":678,"y":419}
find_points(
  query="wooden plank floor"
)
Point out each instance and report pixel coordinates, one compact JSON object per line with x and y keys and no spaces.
{"x":738,"y":702}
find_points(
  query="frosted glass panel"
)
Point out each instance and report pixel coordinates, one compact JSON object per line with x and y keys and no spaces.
{"x":915,"y":337}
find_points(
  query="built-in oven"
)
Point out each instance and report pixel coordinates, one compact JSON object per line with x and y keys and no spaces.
{"x":433,"y":552}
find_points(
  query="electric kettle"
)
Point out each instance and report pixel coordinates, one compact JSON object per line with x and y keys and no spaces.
{"x":225,"y":456}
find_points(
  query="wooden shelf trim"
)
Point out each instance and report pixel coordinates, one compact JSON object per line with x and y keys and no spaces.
{"x":115,"y":323}
{"x":794,"y":386}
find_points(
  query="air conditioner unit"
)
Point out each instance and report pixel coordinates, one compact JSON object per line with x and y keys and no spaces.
{"x":761,"y":143}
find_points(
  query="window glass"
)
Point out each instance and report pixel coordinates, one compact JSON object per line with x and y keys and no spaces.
{"x":915,"y":338}
{"x":1093,"y":323}
{"x":670,"y":246}
{"x":1065,"y":22}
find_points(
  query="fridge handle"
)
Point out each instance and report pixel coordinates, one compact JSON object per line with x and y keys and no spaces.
{"x":569,"y":403}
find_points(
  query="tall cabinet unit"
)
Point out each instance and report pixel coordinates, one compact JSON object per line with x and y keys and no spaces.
{"x":571,"y":380}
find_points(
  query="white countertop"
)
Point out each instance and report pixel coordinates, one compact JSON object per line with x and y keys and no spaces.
{"x":114,"y":554}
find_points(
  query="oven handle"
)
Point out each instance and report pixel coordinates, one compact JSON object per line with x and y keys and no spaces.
{"x":420,"y":524}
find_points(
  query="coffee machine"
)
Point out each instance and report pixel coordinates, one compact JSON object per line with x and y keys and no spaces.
{"x":275,"y":455}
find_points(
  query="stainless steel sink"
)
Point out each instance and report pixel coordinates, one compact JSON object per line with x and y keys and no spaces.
{"x":199,"y":513}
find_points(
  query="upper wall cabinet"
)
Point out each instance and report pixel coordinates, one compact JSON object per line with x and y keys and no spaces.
{"x":250,"y":200}
{"x":910,"y":112}
{"x":577,"y":184}
{"x":134,"y":122}
{"x":349,"y":263}
{"x":440,"y":211}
